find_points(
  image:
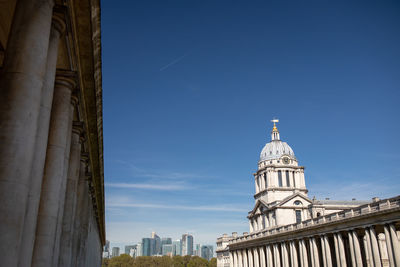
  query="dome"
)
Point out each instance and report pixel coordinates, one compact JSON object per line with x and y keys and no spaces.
{"x":276,"y":149}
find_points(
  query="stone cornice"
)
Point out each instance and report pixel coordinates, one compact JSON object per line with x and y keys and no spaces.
{"x":274,"y":166}
{"x":273,"y":189}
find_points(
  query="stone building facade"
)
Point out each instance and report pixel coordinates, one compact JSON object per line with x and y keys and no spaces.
{"x":289,"y":229}
{"x":51,"y":136}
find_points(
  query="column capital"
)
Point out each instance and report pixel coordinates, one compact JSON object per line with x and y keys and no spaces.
{"x":66,"y":78}
{"x":58,"y":22}
{"x":77,"y":127}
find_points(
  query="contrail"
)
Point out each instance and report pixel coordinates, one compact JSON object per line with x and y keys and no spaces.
{"x":173,"y":62}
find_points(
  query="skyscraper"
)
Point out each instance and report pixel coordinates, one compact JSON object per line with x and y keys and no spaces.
{"x":207,"y":252}
{"x":128,"y":248}
{"x":157,"y":244}
{"x":197,"y":250}
{"x":139,"y":249}
{"x":115,"y":252}
{"x":165,"y":241}
{"x":177,"y":247}
{"x":187,"y":244}
{"x":167,"y":249}
{"x":147,"y":246}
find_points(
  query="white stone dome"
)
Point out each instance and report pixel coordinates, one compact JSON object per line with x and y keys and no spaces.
{"x":276,"y":149}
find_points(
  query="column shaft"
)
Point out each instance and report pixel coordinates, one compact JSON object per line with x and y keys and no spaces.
{"x":230,"y":259}
{"x":311,"y":252}
{"x":395,"y":244}
{"x":375,"y":248}
{"x":315,"y":249}
{"x":250,"y":257}
{"x":305,"y":256}
{"x":341,"y":250}
{"x":352,"y":252}
{"x":285,"y":255}
{"x":262,"y":257}
{"x":42,"y":133}
{"x":245,"y":259}
{"x":327,"y":251}
{"x":268,"y":251}
{"x":53,"y":173}
{"x":337,"y":252}
{"x":240,"y":258}
{"x":256,"y":257}
{"x":70,"y":197}
{"x":21,"y":83}
{"x":293,"y":254}
{"x":357,"y":249}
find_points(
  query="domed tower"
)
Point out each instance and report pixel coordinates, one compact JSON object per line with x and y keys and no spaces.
{"x":278,"y":178}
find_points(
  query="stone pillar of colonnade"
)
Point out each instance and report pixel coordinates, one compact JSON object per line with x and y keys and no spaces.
{"x":285,"y":254}
{"x":392,"y":243}
{"x":357,"y":249}
{"x":230,"y":259}
{"x":374,"y":247}
{"x":240,"y":258}
{"x":71,"y":195}
{"x":256,"y":257}
{"x":263,"y":262}
{"x":28,"y":237}
{"x":277,"y":255}
{"x":60,"y":125}
{"x":80,"y":210}
{"x":352,"y":251}
{"x":327,"y":251}
{"x":342,"y":255}
{"x":61,"y":198}
{"x":293,"y":254}
{"x":250,"y":257}
{"x":268,"y":253}
{"x":245,"y":260}
{"x":21,"y":84}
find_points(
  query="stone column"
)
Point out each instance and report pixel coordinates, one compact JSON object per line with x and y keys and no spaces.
{"x":28,"y":237}
{"x":305,"y":257}
{"x":256,"y":257}
{"x":269,"y":251}
{"x":251,"y":225}
{"x":302,"y":264}
{"x":240,"y":258}
{"x":337,"y":252}
{"x":395,"y":244}
{"x":262,"y":182}
{"x":263,"y":261}
{"x":324,"y":251}
{"x":21,"y":83}
{"x":71,"y":196}
{"x":234,"y":259}
{"x":311,"y":252}
{"x":230,"y":259}
{"x":285,"y":255}
{"x":357,"y":249}
{"x":277,"y":258}
{"x":250,"y":256}
{"x":293,"y":254}
{"x":315,"y":250}
{"x":328,"y":252}
{"x":341,"y":250}
{"x":375,"y":248}
{"x":352,"y":252}
{"x":245,"y":260}
{"x":54,"y":172}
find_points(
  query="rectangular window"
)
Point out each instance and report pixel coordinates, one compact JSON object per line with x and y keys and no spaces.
{"x":287,"y":179}
{"x":298,"y":216}
{"x":280,"y":178}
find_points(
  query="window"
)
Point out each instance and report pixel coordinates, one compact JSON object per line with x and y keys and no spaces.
{"x":294,"y":181}
{"x":318,"y":214}
{"x":265,"y":180}
{"x":287,"y":179}
{"x":298,"y":216}
{"x":297,"y":202}
{"x":280,"y":178}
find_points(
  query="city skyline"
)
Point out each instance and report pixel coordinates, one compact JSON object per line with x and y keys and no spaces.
{"x":188,"y":104}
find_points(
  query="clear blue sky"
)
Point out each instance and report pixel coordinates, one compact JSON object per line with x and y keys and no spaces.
{"x":190,"y":88}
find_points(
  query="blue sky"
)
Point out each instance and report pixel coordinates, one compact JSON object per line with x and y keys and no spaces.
{"x":190,"y":88}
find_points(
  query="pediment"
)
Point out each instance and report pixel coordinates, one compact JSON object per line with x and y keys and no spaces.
{"x":295,"y":200}
{"x":259,"y":207}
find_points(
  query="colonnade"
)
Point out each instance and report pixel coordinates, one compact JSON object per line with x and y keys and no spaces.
{"x":47,"y":216}
{"x":375,"y":245}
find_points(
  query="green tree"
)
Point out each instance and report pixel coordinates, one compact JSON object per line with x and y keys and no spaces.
{"x":213,"y":262}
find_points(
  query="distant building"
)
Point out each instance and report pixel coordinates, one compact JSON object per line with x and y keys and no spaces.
{"x":197,"y":250}
{"x":207,"y":252}
{"x":139,"y":249}
{"x":106,"y":250}
{"x":165,"y":241}
{"x":156,"y":250}
{"x":128,"y":248}
{"x":177,"y":247}
{"x":115,"y":252}
{"x":167,"y":249}
{"x":147,"y":246}
{"x":187,"y":244}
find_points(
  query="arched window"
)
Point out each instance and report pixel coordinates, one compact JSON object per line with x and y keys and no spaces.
{"x":279,"y":178}
{"x":298,"y":216}
{"x":265,"y":180}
